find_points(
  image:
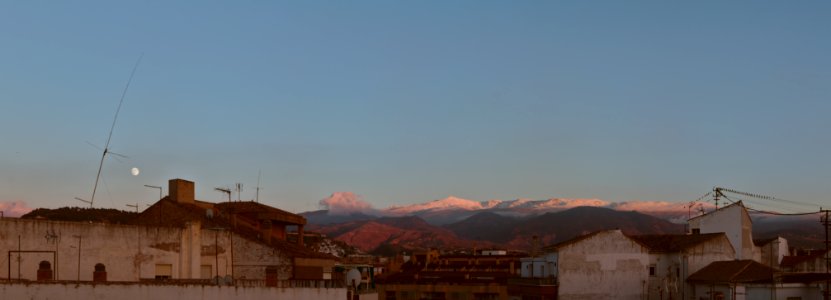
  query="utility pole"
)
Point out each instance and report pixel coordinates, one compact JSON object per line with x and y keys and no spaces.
{"x":824,"y":221}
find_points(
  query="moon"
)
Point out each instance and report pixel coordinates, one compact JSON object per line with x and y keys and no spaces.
{"x":134,"y":171}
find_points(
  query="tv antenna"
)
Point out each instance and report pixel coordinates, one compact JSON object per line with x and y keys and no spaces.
{"x":257,"y":197}
{"x":110,"y":136}
{"x":239,"y":192}
{"x":225,"y":191}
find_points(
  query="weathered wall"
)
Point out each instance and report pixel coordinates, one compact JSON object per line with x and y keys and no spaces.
{"x":735,"y":222}
{"x":607,"y":265}
{"x":671,"y":269}
{"x":71,"y":291}
{"x":701,"y":255}
{"x":131,"y":252}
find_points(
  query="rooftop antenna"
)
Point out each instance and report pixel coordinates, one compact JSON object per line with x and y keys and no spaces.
{"x":239,"y":192}
{"x":259,"y":174}
{"x":225,"y":191}
{"x":110,"y":136}
{"x":717,"y":195}
{"x":136,"y":206}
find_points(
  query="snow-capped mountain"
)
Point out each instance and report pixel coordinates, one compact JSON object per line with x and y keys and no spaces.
{"x":449,"y":203}
{"x":454,"y":209}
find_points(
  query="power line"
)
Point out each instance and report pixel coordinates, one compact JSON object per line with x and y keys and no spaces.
{"x":764,"y":197}
{"x":770,"y":212}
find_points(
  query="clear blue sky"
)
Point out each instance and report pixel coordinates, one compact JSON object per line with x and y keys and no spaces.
{"x":405,"y":102}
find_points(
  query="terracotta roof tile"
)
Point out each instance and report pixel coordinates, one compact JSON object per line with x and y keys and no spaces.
{"x":673,"y":242}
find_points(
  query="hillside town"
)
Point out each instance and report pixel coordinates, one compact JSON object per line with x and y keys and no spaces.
{"x":251,"y":250}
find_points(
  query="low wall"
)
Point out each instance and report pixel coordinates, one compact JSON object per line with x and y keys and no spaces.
{"x":129,"y":291}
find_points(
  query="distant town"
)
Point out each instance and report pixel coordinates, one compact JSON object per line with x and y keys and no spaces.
{"x":447,"y":249}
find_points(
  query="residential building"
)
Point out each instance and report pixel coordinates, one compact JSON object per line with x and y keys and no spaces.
{"x":601,"y":265}
{"x":672,"y":258}
{"x":177,"y":238}
{"x":734,"y":221}
{"x":773,"y":251}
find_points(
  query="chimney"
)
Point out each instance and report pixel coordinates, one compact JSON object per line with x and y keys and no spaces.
{"x":181,"y":191}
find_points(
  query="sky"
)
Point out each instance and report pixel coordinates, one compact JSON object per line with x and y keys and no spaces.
{"x":406,"y":102}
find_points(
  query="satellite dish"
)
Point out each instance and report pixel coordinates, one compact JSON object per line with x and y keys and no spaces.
{"x":353,"y":276}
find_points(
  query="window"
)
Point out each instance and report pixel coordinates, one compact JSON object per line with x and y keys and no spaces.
{"x":696,"y":231}
{"x":206,"y":272}
{"x":652,"y":270}
{"x":164,"y":271}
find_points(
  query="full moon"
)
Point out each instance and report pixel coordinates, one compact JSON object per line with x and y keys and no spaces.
{"x":134,"y":171}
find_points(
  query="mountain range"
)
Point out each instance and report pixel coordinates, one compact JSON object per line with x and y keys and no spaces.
{"x":345,"y":206}
{"x":455,"y":223}
{"x":487,"y":229}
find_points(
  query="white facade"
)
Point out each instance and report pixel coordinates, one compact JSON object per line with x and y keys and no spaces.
{"x":72,"y":291}
{"x":735,"y":222}
{"x":773,"y":251}
{"x":603,"y":265}
{"x":131,"y":252}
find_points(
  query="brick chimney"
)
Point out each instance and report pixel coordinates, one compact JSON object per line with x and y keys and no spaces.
{"x":181,"y":191}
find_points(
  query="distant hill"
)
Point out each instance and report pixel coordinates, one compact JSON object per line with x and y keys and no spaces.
{"x":488,"y":229}
{"x":322,"y":217}
{"x":78,"y":214}
{"x":804,"y":232}
{"x":486,"y":226}
{"x":406,"y":233}
{"x":561,"y":226}
{"x":554,"y":227}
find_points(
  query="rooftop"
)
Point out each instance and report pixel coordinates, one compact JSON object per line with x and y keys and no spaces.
{"x":744,"y":271}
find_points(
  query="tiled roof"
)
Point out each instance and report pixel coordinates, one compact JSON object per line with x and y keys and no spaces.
{"x":574,"y":240}
{"x":166,"y":212}
{"x":745,"y":271}
{"x":261,"y":211}
{"x":673,"y":242}
{"x":805,"y":277}
{"x":793,"y":260}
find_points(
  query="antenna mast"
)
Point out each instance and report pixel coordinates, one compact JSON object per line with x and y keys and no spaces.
{"x":259,"y":174}
{"x":225,"y":191}
{"x":110,"y":136}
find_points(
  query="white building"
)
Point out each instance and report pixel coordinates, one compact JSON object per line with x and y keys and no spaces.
{"x":734,"y":221}
{"x":177,"y":238}
{"x":600,"y":265}
{"x":672,"y":258}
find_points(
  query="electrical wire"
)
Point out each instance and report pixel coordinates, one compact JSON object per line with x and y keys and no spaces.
{"x":766,"y":197}
{"x":771,"y":212}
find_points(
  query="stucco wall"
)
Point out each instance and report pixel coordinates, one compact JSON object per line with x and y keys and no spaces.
{"x":71,"y":291}
{"x":607,"y":265}
{"x":735,"y":223}
{"x":130,"y":252}
{"x":671,"y":269}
